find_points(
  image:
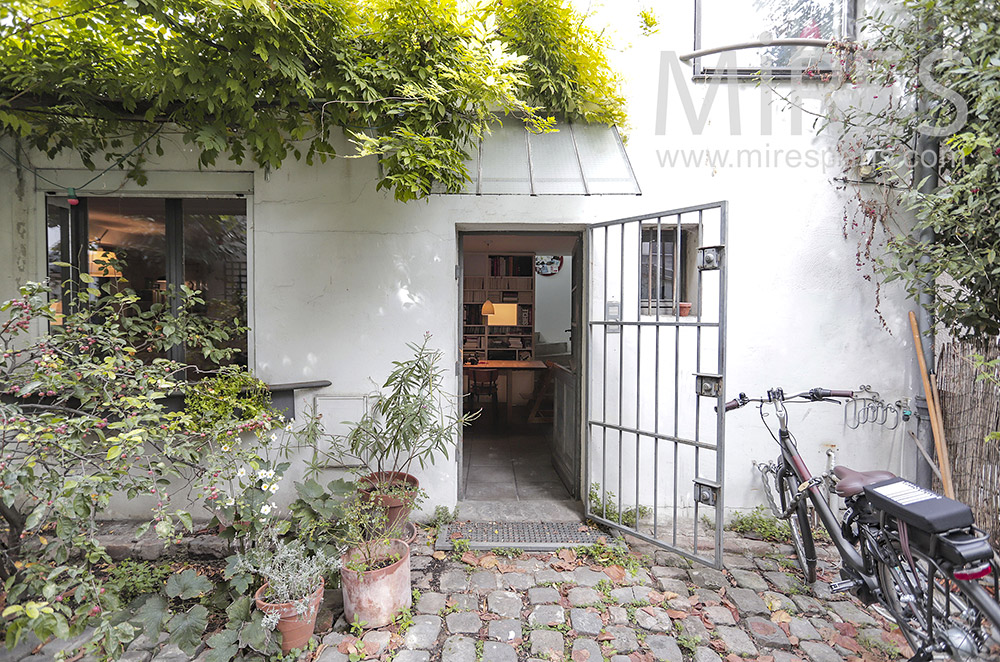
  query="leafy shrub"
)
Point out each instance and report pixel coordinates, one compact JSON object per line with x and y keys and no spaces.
{"x":86,"y":414}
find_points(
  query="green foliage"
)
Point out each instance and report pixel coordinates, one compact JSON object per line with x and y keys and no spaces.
{"x":317,"y":511}
{"x":508,"y":552}
{"x":961,"y":267}
{"x":565,"y":59}
{"x":411,"y":419}
{"x":414,"y":82}
{"x":760,"y":522}
{"x":459,"y":546}
{"x":85,"y":414}
{"x":688,"y":643}
{"x":605,"y":505}
{"x":443,"y":516}
{"x":130,"y":579}
{"x":291,"y":571}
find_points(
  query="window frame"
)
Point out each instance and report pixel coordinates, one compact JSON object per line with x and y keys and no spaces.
{"x":75,"y":250}
{"x":682,"y":236}
{"x":849,"y":16}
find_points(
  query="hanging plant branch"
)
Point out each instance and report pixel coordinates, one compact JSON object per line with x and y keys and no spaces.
{"x":426,"y":79}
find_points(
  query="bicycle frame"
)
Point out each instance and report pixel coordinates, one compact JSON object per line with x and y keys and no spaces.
{"x":793,"y":460}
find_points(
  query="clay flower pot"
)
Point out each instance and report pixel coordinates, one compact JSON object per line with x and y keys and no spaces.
{"x":685,"y":308}
{"x":377,"y":595}
{"x":295,"y":625}
{"x":397,"y":509}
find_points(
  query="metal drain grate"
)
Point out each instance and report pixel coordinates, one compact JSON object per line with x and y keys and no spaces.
{"x":529,"y":536}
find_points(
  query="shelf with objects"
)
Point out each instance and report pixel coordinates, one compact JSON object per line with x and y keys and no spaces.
{"x":504,"y":287}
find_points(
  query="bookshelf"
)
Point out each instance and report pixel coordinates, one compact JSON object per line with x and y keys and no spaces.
{"x":503,"y":279}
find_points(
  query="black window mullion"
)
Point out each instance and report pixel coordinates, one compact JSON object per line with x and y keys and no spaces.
{"x":175,"y":262}
{"x":75,"y":251}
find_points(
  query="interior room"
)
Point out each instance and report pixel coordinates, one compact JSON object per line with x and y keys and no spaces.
{"x":519,"y":364}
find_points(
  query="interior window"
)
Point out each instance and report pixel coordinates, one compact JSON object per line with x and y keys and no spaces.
{"x":161,"y":244}
{"x":724,"y":22}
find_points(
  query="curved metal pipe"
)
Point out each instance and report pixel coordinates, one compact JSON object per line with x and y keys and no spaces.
{"x":758,"y":43}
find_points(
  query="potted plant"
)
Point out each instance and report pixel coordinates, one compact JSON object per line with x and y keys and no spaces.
{"x":293,"y":586}
{"x":410,"y":422}
{"x":375,"y":569}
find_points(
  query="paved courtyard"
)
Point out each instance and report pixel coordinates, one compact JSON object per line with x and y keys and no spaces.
{"x":545,"y":607}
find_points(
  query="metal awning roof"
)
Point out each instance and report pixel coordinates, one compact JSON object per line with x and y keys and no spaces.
{"x":577,"y":159}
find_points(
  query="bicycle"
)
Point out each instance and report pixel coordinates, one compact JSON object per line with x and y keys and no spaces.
{"x":914,"y":552}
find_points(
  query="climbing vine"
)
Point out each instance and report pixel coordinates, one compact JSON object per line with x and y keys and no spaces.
{"x":413,"y":82}
{"x":944,"y":54}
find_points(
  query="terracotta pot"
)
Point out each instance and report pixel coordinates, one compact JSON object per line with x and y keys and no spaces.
{"x":397,"y":510}
{"x":376,"y":596}
{"x":685,"y":308}
{"x":295,"y":628}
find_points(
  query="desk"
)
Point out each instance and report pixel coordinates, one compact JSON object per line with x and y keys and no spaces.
{"x":507,"y":368}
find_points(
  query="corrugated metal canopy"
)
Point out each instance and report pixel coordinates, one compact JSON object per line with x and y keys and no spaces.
{"x":577,"y":159}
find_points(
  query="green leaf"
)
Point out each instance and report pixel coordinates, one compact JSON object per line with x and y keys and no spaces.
{"x":114,"y":452}
{"x":239,"y":610}
{"x":186,"y":629}
{"x":185,"y":518}
{"x":254,"y":634}
{"x":187,"y":585}
{"x":224,"y":646}
{"x":86,"y":278}
{"x":36,"y":516}
{"x":151,"y":615}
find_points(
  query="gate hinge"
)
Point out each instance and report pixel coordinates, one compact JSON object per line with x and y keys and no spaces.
{"x":710,"y":257}
{"x":707,"y":385}
{"x":706,"y":491}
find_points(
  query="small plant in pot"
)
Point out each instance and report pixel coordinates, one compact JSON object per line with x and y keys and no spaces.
{"x":375,"y":569}
{"x":293,"y":586}
{"x":411,"y":422}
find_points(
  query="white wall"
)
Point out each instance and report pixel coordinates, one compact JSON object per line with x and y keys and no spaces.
{"x":344,"y":276}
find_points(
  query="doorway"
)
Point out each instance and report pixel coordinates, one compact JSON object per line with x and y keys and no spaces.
{"x":521,"y":302}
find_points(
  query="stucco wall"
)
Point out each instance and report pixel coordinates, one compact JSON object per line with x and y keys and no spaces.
{"x":343,"y":276}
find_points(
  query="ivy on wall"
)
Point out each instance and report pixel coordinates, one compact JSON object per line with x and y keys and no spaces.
{"x":947,"y":54}
{"x":412,"y":82}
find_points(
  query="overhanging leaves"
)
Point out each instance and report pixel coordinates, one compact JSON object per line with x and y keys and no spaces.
{"x":416,"y":82}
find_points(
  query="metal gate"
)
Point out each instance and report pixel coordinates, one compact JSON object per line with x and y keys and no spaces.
{"x":654,"y":457}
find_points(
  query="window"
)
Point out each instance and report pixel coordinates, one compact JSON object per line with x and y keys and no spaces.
{"x":721,"y":23}
{"x":666,"y":258}
{"x":163,"y":243}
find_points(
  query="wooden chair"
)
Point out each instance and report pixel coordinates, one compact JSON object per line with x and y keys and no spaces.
{"x":483,"y":382}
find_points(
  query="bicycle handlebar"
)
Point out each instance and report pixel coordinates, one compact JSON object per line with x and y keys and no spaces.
{"x":778,"y":395}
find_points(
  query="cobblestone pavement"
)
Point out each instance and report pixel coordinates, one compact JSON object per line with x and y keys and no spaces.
{"x":540,"y":607}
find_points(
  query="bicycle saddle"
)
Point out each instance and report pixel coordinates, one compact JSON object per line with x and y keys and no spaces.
{"x":851,"y":482}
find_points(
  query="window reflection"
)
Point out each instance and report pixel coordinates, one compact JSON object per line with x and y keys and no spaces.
{"x":215,"y":262}
{"x":158,"y":245}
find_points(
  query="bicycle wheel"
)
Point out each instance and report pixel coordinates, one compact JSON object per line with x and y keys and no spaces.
{"x":798,"y":522}
{"x":959,"y":618}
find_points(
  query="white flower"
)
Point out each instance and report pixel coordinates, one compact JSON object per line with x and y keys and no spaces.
{"x":230,"y":501}
{"x":274,"y":436}
{"x":270,"y":474}
{"x":225,"y":448}
{"x":241,"y":472}
{"x":273,"y":488}
{"x":265,"y":509}
{"x":265,"y":487}
{"x":261,"y":474}
{"x":288,"y":428}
